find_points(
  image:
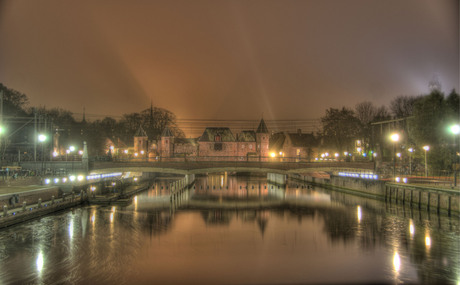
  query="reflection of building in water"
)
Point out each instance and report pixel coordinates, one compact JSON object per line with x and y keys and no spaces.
{"x":223,"y":217}
{"x":154,"y":222}
{"x":239,"y":187}
{"x":217,"y":217}
{"x":161,"y":187}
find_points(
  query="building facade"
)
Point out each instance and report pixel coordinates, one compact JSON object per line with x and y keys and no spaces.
{"x":213,"y":144}
{"x":219,"y":143}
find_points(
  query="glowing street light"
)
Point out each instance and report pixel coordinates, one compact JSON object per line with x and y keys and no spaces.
{"x":426,"y":148}
{"x":455,"y":129}
{"x":42,"y":139}
{"x":394,"y":138}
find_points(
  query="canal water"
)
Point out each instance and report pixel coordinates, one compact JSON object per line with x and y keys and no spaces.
{"x":235,"y":230}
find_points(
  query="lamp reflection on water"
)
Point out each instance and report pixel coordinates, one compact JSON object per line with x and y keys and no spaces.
{"x":359,"y":213}
{"x":411,"y":229}
{"x":428,"y":241}
{"x":396,"y":262}
{"x":427,"y":238}
{"x":71,"y":229}
{"x":39,"y":262}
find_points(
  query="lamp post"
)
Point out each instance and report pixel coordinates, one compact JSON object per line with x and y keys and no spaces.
{"x":42,"y":139}
{"x":394,"y":138}
{"x":455,"y":130}
{"x":411,"y":150}
{"x":426,"y":148}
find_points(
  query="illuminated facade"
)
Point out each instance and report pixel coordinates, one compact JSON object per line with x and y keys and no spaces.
{"x":216,"y":143}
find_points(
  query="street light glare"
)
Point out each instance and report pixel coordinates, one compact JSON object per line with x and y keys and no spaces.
{"x":426,"y":148}
{"x":41,"y":137}
{"x":394,"y":137}
{"x":455,"y":129}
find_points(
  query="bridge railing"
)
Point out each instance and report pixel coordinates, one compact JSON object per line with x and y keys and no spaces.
{"x":185,"y":158}
{"x":194,"y":165}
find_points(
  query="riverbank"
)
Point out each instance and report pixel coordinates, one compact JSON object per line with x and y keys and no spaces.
{"x":26,"y":212}
{"x":430,"y":198}
{"x":24,"y":203}
{"x":124,"y":198}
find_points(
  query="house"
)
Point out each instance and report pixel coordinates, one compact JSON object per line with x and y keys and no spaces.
{"x":215,"y":142}
{"x":298,"y":146}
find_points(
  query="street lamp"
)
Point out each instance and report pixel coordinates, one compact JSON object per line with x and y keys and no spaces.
{"x":411,"y":150}
{"x":455,"y":130}
{"x":42,"y":139}
{"x":426,"y":148}
{"x":394,"y":138}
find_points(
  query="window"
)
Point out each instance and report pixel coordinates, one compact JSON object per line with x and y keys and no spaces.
{"x":250,"y":146}
{"x":217,"y":138}
{"x":218,"y":147}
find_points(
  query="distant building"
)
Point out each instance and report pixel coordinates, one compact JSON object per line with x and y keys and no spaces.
{"x":219,"y":143}
{"x":298,"y":146}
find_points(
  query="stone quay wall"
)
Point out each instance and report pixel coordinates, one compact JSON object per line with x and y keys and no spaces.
{"x":431,"y":199}
{"x":15,"y":200}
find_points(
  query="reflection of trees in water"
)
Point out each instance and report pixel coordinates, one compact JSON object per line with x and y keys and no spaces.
{"x":217,"y":217}
{"x":224,"y":217}
{"x":388,"y":225}
{"x":154,"y":222}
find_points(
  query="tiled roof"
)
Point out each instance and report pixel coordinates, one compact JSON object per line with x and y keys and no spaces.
{"x":209,"y":135}
{"x":167,"y":133}
{"x":190,"y":141}
{"x":302,"y":140}
{"x":277,"y":141}
{"x":262,"y":129}
{"x":140,"y":132}
{"x":247,"y":136}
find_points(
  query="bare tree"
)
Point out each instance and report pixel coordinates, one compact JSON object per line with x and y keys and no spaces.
{"x":403,"y":106}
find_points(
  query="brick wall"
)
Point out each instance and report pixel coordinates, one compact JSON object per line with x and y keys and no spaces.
{"x":188,"y":149}
{"x":221,"y":149}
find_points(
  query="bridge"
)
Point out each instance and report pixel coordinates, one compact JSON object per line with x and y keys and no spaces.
{"x":200,"y":167}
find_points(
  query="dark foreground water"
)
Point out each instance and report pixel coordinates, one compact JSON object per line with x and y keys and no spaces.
{"x":233,"y":230}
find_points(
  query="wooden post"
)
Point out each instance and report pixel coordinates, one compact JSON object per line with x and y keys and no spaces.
{"x":411,"y":197}
{"x":439,"y":203}
{"x":448,"y":209}
{"x":428,"y":202}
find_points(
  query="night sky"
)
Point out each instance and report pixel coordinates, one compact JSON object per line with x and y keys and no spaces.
{"x":226,"y":59}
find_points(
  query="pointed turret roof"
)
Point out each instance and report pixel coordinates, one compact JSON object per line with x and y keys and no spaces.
{"x":262,"y":129}
{"x":167,"y":133}
{"x":140,"y":132}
